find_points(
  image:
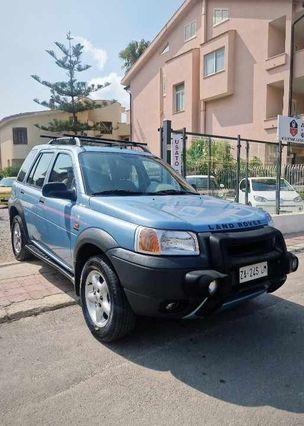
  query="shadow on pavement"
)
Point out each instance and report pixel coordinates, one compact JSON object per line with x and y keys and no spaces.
{"x":250,"y":356}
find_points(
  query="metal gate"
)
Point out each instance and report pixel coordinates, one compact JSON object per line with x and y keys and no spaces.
{"x":241,"y":169}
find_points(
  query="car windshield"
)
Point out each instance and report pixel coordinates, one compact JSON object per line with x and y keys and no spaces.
{"x":7,"y":182}
{"x":270,"y":185}
{"x":112,"y":173}
{"x":202,"y":182}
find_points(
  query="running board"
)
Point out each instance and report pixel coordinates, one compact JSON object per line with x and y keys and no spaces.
{"x":47,"y":259}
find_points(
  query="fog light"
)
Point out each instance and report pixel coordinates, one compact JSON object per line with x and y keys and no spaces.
{"x":294,"y":263}
{"x":212,"y":287}
{"x":171,"y":306}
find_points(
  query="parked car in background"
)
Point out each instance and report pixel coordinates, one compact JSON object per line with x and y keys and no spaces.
{"x":200,"y":184}
{"x":262,"y":194}
{"x":136,"y":239}
{"x":6,"y":188}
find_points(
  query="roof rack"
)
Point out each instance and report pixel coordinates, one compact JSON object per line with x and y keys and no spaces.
{"x":67,"y":139}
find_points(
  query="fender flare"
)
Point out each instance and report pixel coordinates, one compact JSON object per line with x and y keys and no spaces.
{"x":96,"y":237}
{"x":18,"y":206}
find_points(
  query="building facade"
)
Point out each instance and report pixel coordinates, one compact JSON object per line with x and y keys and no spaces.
{"x":222,"y":67}
{"x":18,"y":133}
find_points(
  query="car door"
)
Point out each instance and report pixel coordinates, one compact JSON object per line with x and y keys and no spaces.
{"x":31,"y":196}
{"x":58,"y":213}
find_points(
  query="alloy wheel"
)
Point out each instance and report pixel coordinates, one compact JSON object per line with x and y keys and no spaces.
{"x":17,"y":238}
{"x":97,"y":298}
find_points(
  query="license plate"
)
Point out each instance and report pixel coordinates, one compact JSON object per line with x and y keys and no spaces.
{"x":253,"y":272}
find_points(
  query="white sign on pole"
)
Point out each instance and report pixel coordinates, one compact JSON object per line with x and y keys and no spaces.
{"x":176,"y":153}
{"x":290,"y":129}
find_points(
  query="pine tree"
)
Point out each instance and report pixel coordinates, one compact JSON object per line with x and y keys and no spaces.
{"x":71,"y":96}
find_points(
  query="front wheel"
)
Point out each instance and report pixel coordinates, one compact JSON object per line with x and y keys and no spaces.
{"x":104,"y":304}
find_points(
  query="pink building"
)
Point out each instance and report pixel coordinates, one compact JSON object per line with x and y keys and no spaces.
{"x":222,"y":67}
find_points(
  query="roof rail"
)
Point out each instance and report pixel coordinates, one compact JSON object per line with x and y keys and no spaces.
{"x":67,"y":139}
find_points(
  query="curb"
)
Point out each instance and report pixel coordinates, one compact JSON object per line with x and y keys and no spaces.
{"x":299,"y":248}
{"x":30,"y":308}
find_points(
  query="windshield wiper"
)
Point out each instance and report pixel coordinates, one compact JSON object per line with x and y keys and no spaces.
{"x":117,"y":192}
{"x":172,"y":192}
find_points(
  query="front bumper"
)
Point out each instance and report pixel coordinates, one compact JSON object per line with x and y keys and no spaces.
{"x":178,"y":287}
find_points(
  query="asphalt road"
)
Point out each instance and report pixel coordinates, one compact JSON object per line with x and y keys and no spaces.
{"x":239,"y":367}
{"x":6,"y":253}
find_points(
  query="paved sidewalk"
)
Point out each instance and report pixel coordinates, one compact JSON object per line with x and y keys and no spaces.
{"x":29,"y":288}
{"x":295,"y":242}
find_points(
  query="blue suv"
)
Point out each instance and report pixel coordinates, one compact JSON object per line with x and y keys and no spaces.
{"x":135,"y":238}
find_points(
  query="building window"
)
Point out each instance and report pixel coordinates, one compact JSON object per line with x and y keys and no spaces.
{"x":190,"y":31}
{"x":179,"y":97}
{"x":220,"y":15}
{"x":165,"y":49}
{"x":20,"y":135}
{"x":214,"y":62}
{"x":106,"y":127}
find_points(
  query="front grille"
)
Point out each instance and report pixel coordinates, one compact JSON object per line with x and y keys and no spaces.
{"x":228,"y":251}
{"x":251,"y":248}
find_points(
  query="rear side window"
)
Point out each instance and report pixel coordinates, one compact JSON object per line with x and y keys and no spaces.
{"x":39,"y":171}
{"x":26,"y":166}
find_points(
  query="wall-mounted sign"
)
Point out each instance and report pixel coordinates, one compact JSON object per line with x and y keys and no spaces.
{"x":290,"y":129}
{"x":176,"y":153}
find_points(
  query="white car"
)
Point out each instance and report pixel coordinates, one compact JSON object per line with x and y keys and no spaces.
{"x":200,"y":183}
{"x":262,"y":194}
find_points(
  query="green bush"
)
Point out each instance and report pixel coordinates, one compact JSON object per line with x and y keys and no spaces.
{"x":9,"y":171}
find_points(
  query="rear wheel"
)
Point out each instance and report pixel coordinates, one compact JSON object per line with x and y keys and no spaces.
{"x":19,"y":240}
{"x":104,"y":304}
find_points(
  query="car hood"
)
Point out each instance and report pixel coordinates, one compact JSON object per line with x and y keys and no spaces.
{"x":186,"y":212}
{"x":271,"y":195}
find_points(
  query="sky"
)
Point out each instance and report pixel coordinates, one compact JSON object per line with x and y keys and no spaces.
{"x":104,"y":27}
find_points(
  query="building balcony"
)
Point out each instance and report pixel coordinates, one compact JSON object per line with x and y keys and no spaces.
{"x":275,"y":61}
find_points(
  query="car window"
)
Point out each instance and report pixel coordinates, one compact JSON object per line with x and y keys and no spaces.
{"x":26,"y":166}
{"x":158,"y":174}
{"x":39,"y":171}
{"x":63,"y":171}
{"x":270,"y":185}
{"x":129,"y":173}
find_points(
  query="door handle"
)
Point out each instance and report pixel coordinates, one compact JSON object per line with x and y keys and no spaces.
{"x":41,"y":200}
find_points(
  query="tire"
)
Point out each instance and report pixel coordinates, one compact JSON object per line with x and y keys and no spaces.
{"x":18,"y":239}
{"x":105,"y":307}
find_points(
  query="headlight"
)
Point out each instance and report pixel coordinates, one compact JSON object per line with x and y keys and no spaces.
{"x":269,"y":219}
{"x":298,"y":200}
{"x":159,"y":242}
{"x":259,"y":199}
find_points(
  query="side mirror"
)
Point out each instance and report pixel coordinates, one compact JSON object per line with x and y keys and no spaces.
{"x":194,"y":186}
{"x":58,"y":190}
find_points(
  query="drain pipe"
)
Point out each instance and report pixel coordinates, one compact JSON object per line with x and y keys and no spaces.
{"x":127,"y":89}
